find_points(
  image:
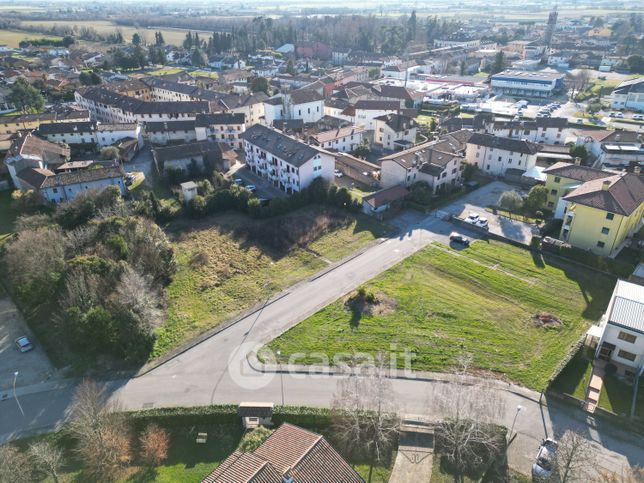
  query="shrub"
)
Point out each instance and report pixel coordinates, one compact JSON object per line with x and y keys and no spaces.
{"x":154,"y":443}
{"x":253,"y":439}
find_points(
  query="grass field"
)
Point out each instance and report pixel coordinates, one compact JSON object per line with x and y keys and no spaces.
{"x":171,"y":36}
{"x":220,"y":274}
{"x":617,"y":396}
{"x":439,"y":303}
{"x":574,"y":378}
{"x":13,"y":37}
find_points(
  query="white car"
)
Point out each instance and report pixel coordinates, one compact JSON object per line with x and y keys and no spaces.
{"x":472,"y":218}
{"x":619,"y":114}
{"x":482,"y":222}
{"x":337,"y":173}
{"x":545,"y":464}
{"x":638,"y":117}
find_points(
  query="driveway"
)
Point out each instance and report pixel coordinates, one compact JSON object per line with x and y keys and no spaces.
{"x":264,"y":188}
{"x":33,"y":366}
{"x":142,"y":162}
{"x":477,"y":201}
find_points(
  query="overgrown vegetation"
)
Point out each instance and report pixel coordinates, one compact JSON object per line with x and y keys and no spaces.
{"x":89,"y":276}
{"x":481,"y":300}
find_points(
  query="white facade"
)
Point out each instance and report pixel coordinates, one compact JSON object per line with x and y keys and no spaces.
{"x":69,"y":192}
{"x":632,"y":98}
{"x":344,"y":140}
{"x":366,"y":117}
{"x":496,"y":161}
{"x":387,"y":137}
{"x":228,"y":133}
{"x":171,"y":136}
{"x":393,"y":173}
{"x":622,"y":339}
{"x":287,"y":176}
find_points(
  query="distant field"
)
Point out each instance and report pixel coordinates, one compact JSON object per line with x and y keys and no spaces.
{"x":13,"y":37}
{"x":171,"y":36}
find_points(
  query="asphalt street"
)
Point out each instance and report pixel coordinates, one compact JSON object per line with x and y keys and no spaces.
{"x":217,"y":370}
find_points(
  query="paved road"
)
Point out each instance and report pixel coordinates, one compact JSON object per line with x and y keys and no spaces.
{"x":217,"y":370}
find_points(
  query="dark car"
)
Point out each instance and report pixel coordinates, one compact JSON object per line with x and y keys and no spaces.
{"x":458,"y":238}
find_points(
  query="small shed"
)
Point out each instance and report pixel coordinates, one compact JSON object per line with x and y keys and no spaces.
{"x":377,"y":203}
{"x":189,"y":190}
{"x":254,"y":414}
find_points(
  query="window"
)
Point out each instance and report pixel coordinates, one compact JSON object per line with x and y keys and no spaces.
{"x":553,"y":192}
{"x":605,"y":231}
{"x":627,"y":337}
{"x":626,"y":355}
{"x":499,"y":158}
{"x":610,"y":216}
{"x":600,"y":244}
{"x":557,"y":179}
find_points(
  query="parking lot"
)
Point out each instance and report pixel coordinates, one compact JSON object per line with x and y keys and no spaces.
{"x":264,"y":188}
{"x":33,"y":366}
{"x":477,"y":201}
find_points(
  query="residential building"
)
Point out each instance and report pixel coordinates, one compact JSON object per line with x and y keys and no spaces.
{"x":29,"y":151}
{"x":437,"y":163}
{"x":519,"y":83}
{"x":289,"y":454}
{"x":221,"y":127}
{"x":90,"y":133}
{"x":394,"y":132}
{"x":109,"y":106}
{"x":602,"y":214}
{"x":562,"y":178}
{"x":629,"y":95}
{"x":621,"y":330}
{"x":344,"y":139}
{"x":495,"y":155}
{"x":306,"y":104}
{"x":13,"y":124}
{"x":542,"y":130}
{"x":287,"y":163}
{"x":364,"y":112}
{"x":162,"y":133}
{"x":58,"y":187}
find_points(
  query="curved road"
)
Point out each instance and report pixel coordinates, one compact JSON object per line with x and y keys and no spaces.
{"x":217,"y":370}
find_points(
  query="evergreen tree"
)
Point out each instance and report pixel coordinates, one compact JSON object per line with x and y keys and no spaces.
{"x":412,"y":26}
{"x":136,"y":39}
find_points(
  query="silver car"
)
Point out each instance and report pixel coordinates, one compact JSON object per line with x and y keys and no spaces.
{"x":544,"y":466}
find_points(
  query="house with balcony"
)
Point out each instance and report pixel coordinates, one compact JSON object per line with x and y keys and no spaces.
{"x":603,"y":214}
{"x":221,"y":127}
{"x":495,"y":155}
{"x":394,"y":132}
{"x":620,"y":333}
{"x":289,"y":164}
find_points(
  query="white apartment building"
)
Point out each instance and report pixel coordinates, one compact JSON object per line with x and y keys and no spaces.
{"x":344,"y":139}
{"x":287,"y":163}
{"x":495,"y":155}
{"x":542,"y":130}
{"x":221,"y":127}
{"x":629,"y":95}
{"x":394,"y":132}
{"x":170,"y":132}
{"x":79,"y":133}
{"x":305,"y":104}
{"x":365,"y":112}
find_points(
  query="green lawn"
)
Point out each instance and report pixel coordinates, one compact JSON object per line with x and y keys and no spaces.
{"x":574,"y":378}
{"x":439,"y":303}
{"x":13,"y":37}
{"x":220,"y":273}
{"x":616,"y":396}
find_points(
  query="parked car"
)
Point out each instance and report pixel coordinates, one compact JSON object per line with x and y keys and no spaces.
{"x":337,"y":173}
{"x":238,"y":181}
{"x":23,"y":344}
{"x":458,"y":238}
{"x":638,"y":117}
{"x":482,"y":222}
{"x":545,"y":463}
{"x":472,"y":218}
{"x":251,"y":187}
{"x":619,"y":114}
{"x":612,"y":114}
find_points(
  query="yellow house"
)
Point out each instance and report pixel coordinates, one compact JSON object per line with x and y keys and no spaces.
{"x":562,"y":178}
{"x":604,"y":32}
{"x":601,"y":214}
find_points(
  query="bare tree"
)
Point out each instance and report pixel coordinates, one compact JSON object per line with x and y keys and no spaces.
{"x":101,"y":432}
{"x":154,"y":443}
{"x":466,"y":436}
{"x":365,"y":416}
{"x":136,"y":295}
{"x":575,"y":458}
{"x":15,"y":467}
{"x":47,"y":458}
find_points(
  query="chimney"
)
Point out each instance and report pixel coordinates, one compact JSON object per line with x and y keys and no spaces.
{"x":605,"y":184}
{"x":578,"y":161}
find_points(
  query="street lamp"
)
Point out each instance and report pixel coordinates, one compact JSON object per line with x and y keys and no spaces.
{"x":279,"y":352}
{"x":15,"y":396}
{"x":519,"y":408}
